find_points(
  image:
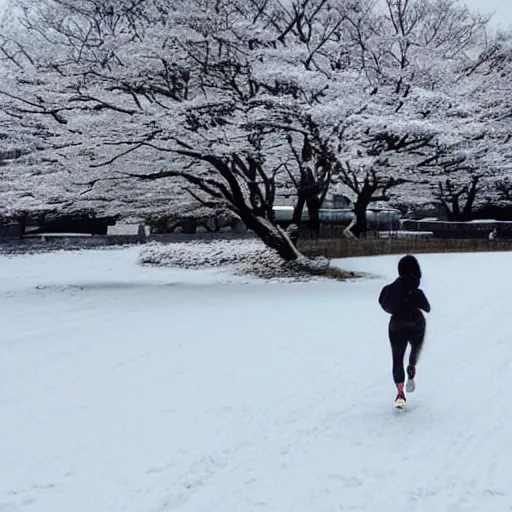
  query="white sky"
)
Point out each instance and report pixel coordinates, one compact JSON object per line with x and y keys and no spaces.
{"x":502,"y":10}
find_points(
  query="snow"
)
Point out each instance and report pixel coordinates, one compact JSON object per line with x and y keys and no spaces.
{"x":127,"y":229}
{"x":131,"y":388}
{"x":405,"y":234}
{"x":248,"y":256}
{"x":198,"y":254}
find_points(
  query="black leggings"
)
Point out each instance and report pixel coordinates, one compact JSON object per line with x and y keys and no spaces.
{"x":399,"y":339}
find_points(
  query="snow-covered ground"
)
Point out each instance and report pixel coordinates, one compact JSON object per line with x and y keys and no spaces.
{"x":133,"y":389}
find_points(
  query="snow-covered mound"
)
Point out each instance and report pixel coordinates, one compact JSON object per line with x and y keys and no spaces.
{"x":243,"y":256}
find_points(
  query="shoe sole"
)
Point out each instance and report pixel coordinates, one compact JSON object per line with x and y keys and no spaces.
{"x":400,"y":403}
{"x":410,"y":386}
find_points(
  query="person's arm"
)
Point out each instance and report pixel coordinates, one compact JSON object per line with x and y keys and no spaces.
{"x":422,"y":301}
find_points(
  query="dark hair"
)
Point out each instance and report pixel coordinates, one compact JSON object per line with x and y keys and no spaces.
{"x":409,"y":266}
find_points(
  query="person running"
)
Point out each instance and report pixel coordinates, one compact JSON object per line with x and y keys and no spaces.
{"x":404,"y":300}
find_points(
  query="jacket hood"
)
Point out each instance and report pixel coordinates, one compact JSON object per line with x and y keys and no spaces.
{"x":411,"y":282}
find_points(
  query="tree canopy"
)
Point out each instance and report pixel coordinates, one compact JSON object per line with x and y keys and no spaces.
{"x":129,"y":105}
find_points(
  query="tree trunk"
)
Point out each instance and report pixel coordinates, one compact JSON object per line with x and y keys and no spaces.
{"x":297,"y":211}
{"x":314,"y":204}
{"x":361,"y":226}
{"x":23,"y":224}
{"x":189,"y":226}
{"x":470,"y":200}
{"x":456,"y":216}
{"x":448,"y":211}
{"x":272,"y":236}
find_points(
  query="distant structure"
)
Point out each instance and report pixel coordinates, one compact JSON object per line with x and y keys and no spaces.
{"x":141,"y":232}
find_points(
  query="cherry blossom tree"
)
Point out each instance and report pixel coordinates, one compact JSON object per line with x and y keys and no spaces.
{"x":413,"y":54}
{"x":227,"y":100}
{"x":470,"y":164}
{"x":207,"y":92}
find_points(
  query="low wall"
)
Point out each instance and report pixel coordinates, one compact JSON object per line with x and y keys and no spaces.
{"x":331,"y":248}
{"x":371,"y":247}
{"x":445,"y":229}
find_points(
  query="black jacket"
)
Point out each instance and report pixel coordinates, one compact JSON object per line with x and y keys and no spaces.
{"x":404,"y":300}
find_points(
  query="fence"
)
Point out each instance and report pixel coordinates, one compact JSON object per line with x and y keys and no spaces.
{"x":331,"y":248}
{"x":439,"y":229}
{"x":473,"y":229}
{"x":343,"y":248}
